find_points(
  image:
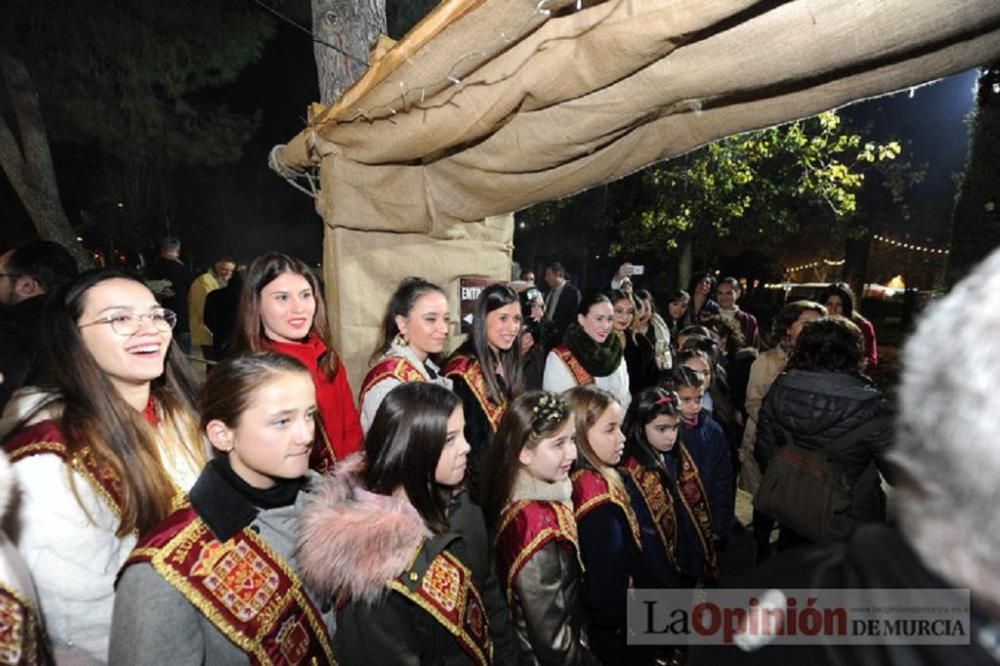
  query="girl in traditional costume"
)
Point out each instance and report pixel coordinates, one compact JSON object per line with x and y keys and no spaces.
{"x":486,"y":371}
{"x":393,"y":537}
{"x":217,"y":581}
{"x":610,"y":540}
{"x":414,"y":332}
{"x":529,"y":508}
{"x":590,"y":353}
{"x":704,"y":451}
{"x":104,"y":459}
{"x":651,"y":430}
{"x":281,"y":310}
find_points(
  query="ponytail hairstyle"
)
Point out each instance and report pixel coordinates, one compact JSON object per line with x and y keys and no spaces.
{"x":404,"y":444}
{"x":690,"y":352}
{"x":96,"y":417}
{"x":400,"y":304}
{"x":249,"y":335}
{"x":233,"y":383}
{"x":588,"y":403}
{"x":530,"y":418}
{"x":683,"y":377}
{"x":477,"y":346}
{"x":651,"y":403}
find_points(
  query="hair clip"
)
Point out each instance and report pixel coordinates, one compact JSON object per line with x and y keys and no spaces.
{"x":665,"y":400}
{"x":549,"y":408}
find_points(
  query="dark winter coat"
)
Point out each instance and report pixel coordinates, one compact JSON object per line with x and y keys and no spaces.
{"x":362,"y":546}
{"x":875,"y":558}
{"x":640,"y":359}
{"x":707,"y":444}
{"x":818,"y":407}
{"x":180,"y":278}
{"x":20,"y":326}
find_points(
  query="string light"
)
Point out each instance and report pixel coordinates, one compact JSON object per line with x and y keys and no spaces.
{"x":913,"y":247}
{"x":815,"y":264}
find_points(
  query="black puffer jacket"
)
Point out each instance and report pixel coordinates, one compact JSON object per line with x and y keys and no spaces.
{"x":817,"y":408}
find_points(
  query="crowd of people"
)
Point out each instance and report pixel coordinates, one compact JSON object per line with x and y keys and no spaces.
{"x":496,"y":505}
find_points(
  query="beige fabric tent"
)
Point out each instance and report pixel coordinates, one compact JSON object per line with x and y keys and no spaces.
{"x":489,"y":106}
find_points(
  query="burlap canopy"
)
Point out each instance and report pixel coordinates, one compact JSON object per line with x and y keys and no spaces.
{"x":487,"y":107}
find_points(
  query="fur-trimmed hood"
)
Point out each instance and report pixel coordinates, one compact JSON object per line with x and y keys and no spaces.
{"x":354,"y":540}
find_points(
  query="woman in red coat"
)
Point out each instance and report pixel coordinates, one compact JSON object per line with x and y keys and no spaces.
{"x":281,"y":310}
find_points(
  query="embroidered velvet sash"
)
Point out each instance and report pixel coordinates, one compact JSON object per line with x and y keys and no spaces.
{"x":525,"y":528}
{"x":395,"y":366}
{"x":448,"y":592}
{"x":579,"y":374}
{"x":247,"y":591}
{"x":471,"y":370}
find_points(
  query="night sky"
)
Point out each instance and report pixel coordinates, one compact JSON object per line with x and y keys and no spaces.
{"x":244,"y":209}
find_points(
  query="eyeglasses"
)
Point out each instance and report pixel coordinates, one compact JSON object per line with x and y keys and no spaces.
{"x":127,"y":324}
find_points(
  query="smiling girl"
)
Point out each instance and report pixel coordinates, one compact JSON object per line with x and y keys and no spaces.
{"x":486,"y":370}
{"x":610,"y":542}
{"x":640,"y":357}
{"x":393,"y":536}
{"x":103,"y":461}
{"x":217,"y":582}
{"x":529,"y":507}
{"x":590,"y":353}
{"x":414,"y":333}
{"x":282,"y":310}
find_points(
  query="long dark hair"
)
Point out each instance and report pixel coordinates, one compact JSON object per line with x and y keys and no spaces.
{"x":847,"y":300}
{"x":403,"y":446}
{"x":402,"y":301}
{"x":529,"y":419}
{"x":94,"y":414}
{"x":249,"y":334}
{"x":592,"y":298}
{"x":477,"y":345}
{"x":232,"y":384}
{"x":645,"y":408}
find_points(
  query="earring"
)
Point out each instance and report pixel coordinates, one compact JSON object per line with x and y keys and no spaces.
{"x":400,"y":340}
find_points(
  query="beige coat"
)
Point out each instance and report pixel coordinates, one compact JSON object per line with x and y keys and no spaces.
{"x":763,"y":372}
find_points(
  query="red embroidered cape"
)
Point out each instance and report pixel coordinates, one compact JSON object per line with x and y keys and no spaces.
{"x":579,"y":374}
{"x":525,"y":528}
{"x":397,"y":367}
{"x":591,"y":490}
{"x":471,"y":371}
{"x":339,"y":434}
{"x":659,"y":503}
{"x":46,"y":437}
{"x":247,"y":591}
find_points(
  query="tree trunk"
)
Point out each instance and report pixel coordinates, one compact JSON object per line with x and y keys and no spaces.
{"x":352,"y":26}
{"x":975,"y":230}
{"x":685,"y":258}
{"x":29,"y":166}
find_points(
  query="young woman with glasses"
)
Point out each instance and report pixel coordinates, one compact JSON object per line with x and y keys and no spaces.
{"x":106,"y":456}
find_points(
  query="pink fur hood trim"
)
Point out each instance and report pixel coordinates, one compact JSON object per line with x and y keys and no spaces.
{"x":352,"y":540}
